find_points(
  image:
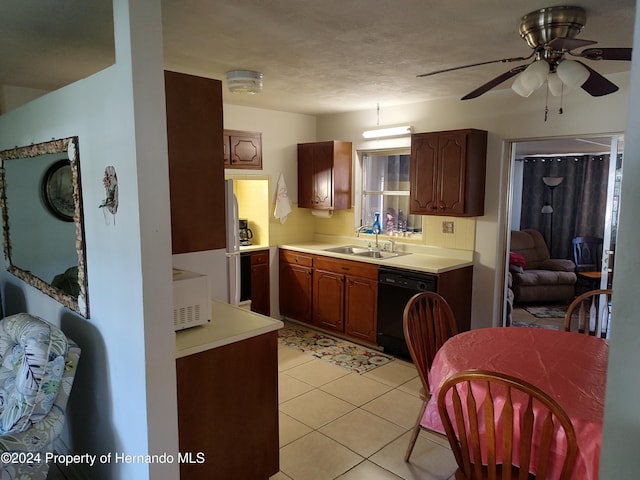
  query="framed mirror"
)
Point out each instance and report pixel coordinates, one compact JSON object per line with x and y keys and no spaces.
{"x":42,"y":220}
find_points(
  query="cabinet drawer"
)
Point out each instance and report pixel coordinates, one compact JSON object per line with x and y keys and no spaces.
{"x":347,"y":267}
{"x":260,"y":258}
{"x":289,"y":256}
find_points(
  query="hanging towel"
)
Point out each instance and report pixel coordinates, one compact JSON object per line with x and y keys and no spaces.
{"x":283,"y":206}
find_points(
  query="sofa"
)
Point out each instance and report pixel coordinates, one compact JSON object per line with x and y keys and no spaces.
{"x":535,"y":276}
{"x":37,"y":367}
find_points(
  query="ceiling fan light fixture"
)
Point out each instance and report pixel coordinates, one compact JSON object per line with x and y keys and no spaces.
{"x":535,"y":74}
{"x":572,"y":73}
{"x":519,"y":88}
{"x":244,"y":81}
{"x":555,"y":84}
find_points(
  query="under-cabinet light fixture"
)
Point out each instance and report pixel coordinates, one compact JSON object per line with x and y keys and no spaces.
{"x":388,"y":132}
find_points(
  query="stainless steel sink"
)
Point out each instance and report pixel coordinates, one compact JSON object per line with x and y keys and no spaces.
{"x":380,"y":254}
{"x":348,"y":249}
{"x":364,"y":252}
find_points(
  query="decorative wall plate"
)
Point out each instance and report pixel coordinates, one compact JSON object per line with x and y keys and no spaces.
{"x":57,"y":190}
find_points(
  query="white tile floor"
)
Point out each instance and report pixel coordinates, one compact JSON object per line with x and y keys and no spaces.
{"x":340,"y":425}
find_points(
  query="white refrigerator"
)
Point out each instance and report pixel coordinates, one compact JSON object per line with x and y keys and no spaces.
{"x":233,"y":244}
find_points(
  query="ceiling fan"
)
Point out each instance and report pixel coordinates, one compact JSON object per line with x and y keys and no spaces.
{"x":550,"y":33}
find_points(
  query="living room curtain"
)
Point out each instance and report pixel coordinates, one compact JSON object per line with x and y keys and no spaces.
{"x":578,"y":203}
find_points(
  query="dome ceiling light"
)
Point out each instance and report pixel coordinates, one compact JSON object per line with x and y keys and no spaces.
{"x":244,"y":81}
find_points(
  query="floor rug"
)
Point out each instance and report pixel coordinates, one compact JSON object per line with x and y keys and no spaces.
{"x":351,"y":356}
{"x":546,"y":311}
{"x":534,"y":325}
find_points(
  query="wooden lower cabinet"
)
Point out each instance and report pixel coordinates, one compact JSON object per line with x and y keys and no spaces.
{"x":328,"y":299}
{"x":260,"y":290}
{"x":361,"y":308}
{"x":296,"y":285}
{"x":228,"y":410}
{"x":345,"y":297}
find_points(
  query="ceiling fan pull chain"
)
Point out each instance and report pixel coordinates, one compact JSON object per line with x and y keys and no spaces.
{"x":561,"y":99}
{"x":546,"y":104}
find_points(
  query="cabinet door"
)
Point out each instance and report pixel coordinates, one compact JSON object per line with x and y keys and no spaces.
{"x":196,"y":171}
{"x":323,"y":176}
{"x":424,"y":173}
{"x":328,"y":300}
{"x":361,"y":308}
{"x":452,"y":166}
{"x":214,"y":407}
{"x":306,"y":177}
{"x":260,"y":283}
{"x":296,"y":287}
{"x":245,"y":149}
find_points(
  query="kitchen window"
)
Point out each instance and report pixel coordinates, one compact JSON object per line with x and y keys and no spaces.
{"x":385,"y":189}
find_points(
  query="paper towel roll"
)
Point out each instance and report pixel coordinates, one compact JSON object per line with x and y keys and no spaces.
{"x":322,"y":213}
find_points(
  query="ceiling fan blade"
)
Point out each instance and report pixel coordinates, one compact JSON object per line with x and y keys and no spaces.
{"x":597,"y":85}
{"x":495,"y":82}
{"x":565,"y":44}
{"x":606,"y":54}
{"x":502,"y":60}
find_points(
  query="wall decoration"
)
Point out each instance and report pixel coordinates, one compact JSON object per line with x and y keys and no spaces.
{"x":110,"y":204}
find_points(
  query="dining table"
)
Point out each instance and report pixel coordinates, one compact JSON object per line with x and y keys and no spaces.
{"x":570,"y":367}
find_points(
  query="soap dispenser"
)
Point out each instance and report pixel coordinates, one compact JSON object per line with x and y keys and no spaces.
{"x":376,"y":227}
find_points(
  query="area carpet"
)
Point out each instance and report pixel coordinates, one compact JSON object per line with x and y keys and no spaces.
{"x":351,"y":356}
{"x":546,"y":311}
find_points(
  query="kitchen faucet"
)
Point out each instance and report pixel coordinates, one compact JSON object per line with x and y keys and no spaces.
{"x":361,"y":228}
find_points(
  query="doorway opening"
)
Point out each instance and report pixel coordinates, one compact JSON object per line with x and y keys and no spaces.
{"x":563,"y":188}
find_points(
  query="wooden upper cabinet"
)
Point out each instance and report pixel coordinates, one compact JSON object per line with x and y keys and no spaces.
{"x":324,"y":175}
{"x":448,"y":172}
{"x":196,"y":172}
{"x":242,"y":149}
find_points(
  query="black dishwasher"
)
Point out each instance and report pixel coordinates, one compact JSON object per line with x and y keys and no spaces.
{"x":395,"y":288}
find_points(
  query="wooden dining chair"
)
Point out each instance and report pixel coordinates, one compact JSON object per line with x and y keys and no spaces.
{"x":513,"y":441}
{"x":428,"y":322}
{"x":590,"y":313}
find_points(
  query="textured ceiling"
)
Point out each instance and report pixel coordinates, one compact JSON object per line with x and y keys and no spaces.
{"x":317,"y":56}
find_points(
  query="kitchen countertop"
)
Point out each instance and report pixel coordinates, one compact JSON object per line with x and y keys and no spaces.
{"x":417,"y":261}
{"x":253,"y":248}
{"x":229,"y":324}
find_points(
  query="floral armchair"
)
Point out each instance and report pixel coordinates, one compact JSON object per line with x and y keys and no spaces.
{"x":37,"y":368}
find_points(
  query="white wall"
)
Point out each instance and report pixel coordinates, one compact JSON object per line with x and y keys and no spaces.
{"x":124,"y":397}
{"x":621,"y":436}
{"x":506,"y":117}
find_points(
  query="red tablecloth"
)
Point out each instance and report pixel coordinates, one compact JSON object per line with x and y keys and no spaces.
{"x":570,"y":367}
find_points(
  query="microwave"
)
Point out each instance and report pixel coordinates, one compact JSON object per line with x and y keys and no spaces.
{"x":191,"y":299}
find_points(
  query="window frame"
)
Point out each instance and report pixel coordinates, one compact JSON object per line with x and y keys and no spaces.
{"x":360,"y":191}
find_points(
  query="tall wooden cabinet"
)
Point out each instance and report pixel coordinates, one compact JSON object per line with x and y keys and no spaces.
{"x":448,"y":172}
{"x":324,"y":175}
{"x":196,"y":172}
